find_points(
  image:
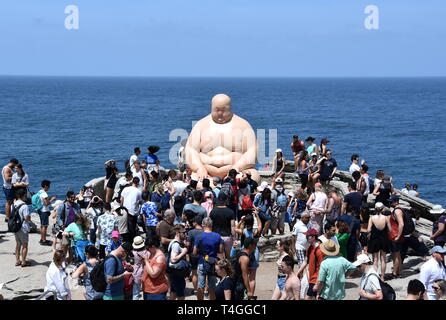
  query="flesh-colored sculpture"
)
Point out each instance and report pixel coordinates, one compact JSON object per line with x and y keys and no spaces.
{"x":220,"y":142}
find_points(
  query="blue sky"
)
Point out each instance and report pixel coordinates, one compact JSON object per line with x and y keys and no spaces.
{"x":291,"y":38}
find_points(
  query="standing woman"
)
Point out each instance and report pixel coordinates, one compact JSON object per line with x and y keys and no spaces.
{"x":122,"y":214}
{"x":334,"y":205}
{"x":154,"y":280}
{"x":84,"y":271}
{"x":139,"y":172}
{"x":20,"y":179}
{"x":364,"y":234}
{"x":279,"y":165}
{"x":152,"y":162}
{"x":226,"y":286}
{"x":57,"y":278}
{"x":111,"y":178}
{"x":285,"y":249}
{"x":378,"y":244}
{"x":262,"y":204}
{"x":323,"y":147}
{"x":303,"y":169}
{"x":314,"y":168}
{"x":317,"y":205}
{"x":383,"y":191}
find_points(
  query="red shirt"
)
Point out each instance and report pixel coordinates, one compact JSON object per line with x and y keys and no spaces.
{"x":315,"y":257}
{"x":235,"y":191}
{"x":394,"y":230}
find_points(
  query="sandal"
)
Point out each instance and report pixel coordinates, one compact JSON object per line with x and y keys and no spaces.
{"x":26,"y":264}
{"x":19,"y":263}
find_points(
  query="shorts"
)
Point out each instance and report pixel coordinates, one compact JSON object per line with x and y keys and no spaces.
{"x":21,"y":237}
{"x":193,"y":262}
{"x":264,"y":217}
{"x":279,"y":222}
{"x":300,"y":256}
{"x":155,"y":296}
{"x":281,"y":282}
{"x":227,"y":242}
{"x":44,"y":218}
{"x":9,"y":193}
{"x":212,"y":280}
{"x":254,"y":263}
{"x":177,"y":285}
{"x":363,"y":239}
{"x":310,"y":291}
{"x":396,"y":246}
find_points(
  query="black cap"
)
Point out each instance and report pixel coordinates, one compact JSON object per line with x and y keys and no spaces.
{"x":232,"y":172}
{"x":127,"y":246}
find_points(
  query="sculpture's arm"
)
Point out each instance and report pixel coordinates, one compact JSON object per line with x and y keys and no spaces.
{"x":248,"y":159}
{"x":192,"y":153}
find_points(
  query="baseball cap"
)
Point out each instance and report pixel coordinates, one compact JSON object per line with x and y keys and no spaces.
{"x":362,"y":258}
{"x":278,"y":150}
{"x":394,"y":198}
{"x":127,"y":246}
{"x":437,"y":249}
{"x":262,"y":186}
{"x":312,"y":232}
{"x":279,"y":180}
{"x":115,"y":234}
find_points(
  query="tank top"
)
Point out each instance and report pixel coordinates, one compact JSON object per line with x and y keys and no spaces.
{"x":279,"y":164}
{"x":301,"y":167}
{"x":319,"y":201}
{"x":6,"y":185}
{"x":91,"y":294}
{"x":394,"y":230}
{"x":159,"y":284}
{"x":334,"y":213}
{"x":141,"y":180}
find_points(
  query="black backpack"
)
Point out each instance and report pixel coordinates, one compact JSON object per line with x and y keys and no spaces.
{"x":371,"y":185}
{"x":15,"y":221}
{"x":226,"y":188}
{"x":386,"y":289}
{"x":97,"y":275}
{"x":240,"y":289}
{"x":409,"y":226}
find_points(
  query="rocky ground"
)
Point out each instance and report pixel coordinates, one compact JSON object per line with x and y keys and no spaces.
{"x":29,"y":282}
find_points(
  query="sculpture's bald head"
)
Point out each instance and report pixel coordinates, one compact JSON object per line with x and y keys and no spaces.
{"x":221,"y":109}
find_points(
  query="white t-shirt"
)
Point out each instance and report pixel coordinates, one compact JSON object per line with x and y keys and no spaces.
{"x":141,"y":180}
{"x":301,"y":239}
{"x":176,"y":248}
{"x":43,"y":196}
{"x":412,"y":193}
{"x":6,"y":185}
{"x":18,"y":179}
{"x":370,"y":282}
{"x":132,"y":160}
{"x":91,"y":214}
{"x":23,"y":212}
{"x":132,"y":198}
{"x":354,"y":167}
{"x":179,"y":187}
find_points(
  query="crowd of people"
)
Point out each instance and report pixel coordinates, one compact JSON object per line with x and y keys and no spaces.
{"x":155,"y":229}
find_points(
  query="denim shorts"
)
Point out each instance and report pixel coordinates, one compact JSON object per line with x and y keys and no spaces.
{"x":255,"y":263}
{"x":44,"y":218}
{"x":281,"y":282}
{"x":150,"y":296}
{"x":9,"y":193}
{"x":212,"y":280}
{"x":177,"y":285}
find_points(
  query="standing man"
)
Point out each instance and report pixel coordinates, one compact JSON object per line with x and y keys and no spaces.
{"x":354,"y":166}
{"x":22,"y":236}
{"x":66,"y":214}
{"x":328,"y":167}
{"x":313,"y":260}
{"x":43,"y":210}
{"x":395,"y":223}
{"x":292,"y":282}
{"x":131,"y":198}
{"x":223,"y":222}
{"x":300,"y":238}
{"x":164,"y":230}
{"x":196,"y":207}
{"x":329,"y":233}
{"x":433,"y":270}
{"x":352,"y":200}
{"x":133,"y":158}
{"x":107,"y":223}
{"x":114,"y":272}
{"x":241,"y":269}
{"x":207,"y":245}
{"x":369,"y":287}
{"x":191,"y":236}
{"x":7,"y":173}
{"x":297,"y":146}
{"x":331,"y":280}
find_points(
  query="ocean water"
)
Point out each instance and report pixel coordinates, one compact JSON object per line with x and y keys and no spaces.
{"x":64,"y":129}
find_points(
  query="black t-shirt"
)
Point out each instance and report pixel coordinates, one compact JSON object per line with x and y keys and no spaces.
{"x":191,"y":236}
{"x":221,"y":221}
{"x":225,"y":284}
{"x":327,"y":167}
{"x":354,"y":200}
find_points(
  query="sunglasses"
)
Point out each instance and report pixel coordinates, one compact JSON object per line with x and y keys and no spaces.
{"x":435,"y":287}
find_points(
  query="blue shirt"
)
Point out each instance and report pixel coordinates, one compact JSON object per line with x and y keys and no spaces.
{"x":148,"y":210}
{"x":114,"y":268}
{"x":150,"y":158}
{"x":208,"y":243}
{"x":112,"y":245}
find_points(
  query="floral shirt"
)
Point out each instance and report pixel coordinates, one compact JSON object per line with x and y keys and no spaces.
{"x":107,"y":222}
{"x":149,"y":210}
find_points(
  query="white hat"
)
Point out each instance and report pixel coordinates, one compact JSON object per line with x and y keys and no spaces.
{"x":437,"y":209}
{"x":279,"y":180}
{"x":278,"y":150}
{"x":314,"y":154}
{"x":362,"y":258}
{"x":379,"y":205}
{"x":262,"y":186}
{"x":291,"y":194}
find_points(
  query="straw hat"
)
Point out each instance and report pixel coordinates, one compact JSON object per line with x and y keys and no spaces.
{"x":138,"y":242}
{"x":330,"y":248}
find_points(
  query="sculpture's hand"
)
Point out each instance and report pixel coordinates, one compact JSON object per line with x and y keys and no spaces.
{"x":202,"y":174}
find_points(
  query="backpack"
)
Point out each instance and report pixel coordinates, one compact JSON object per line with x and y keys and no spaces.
{"x":282,"y":199}
{"x":371,"y":185}
{"x":183,"y":269}
{"x":15,"y":221}
{"x":246,"y":203}
{"x":226,"y":188}
{"x":36,"y":202}
{"x":97,"y":275}
{"x":386,"y":289}
{"x":409,"y":226}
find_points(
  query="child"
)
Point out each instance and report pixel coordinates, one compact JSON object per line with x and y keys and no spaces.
{"x":114,"y":243}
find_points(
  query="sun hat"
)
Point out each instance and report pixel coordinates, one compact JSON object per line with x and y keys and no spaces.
{"x":278,"y":150}
{"x":314,"y":154}
{"x":437,"y":209}
{"x":262,"y":186}
{"x":330,"y":248}
{"x":379,"y":206}
{"x":437,"y":249}
{"x":115,"y":234}
{"x":361,"y":259}
{"x":279,"y":180}
{"x":138,"y":243}
{"x":312,"y":232}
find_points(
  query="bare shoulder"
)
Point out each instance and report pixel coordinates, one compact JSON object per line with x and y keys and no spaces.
{"x":240,"y":122}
